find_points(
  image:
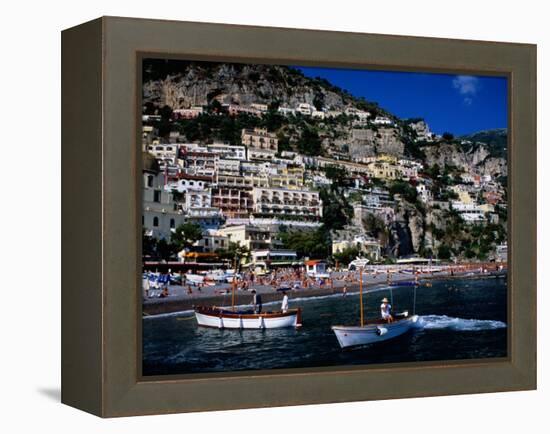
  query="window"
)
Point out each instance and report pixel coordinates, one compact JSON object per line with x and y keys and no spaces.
{"x":150,"y":181}
{"x":172,"y":223}
{"x":156,"y":222}
{"x":156,"y":197}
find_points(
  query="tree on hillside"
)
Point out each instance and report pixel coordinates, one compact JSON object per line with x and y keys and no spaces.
{"x":309,"y":142}
{"x":186,"y":235}
{"x":406,"y":190}
{"x":313,"y":244}
{"x":347,"y":255}
{"x":336,"y":210}
{"x":235,"y":254}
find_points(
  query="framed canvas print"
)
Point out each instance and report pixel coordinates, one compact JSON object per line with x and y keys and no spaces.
{"x":262,"y":217}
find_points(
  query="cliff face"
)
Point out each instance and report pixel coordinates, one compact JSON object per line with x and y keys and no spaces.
{"x":477,"y":156}
{"x":239,"y":84}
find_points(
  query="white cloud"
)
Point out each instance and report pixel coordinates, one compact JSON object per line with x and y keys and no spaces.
{"x":467,"y":86}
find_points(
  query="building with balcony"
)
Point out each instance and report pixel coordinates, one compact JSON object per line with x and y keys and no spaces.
{"x":206,"y":218}
{"x":280,"y":201}
{"x":365,"y":245}
{"x":200,"y":163}
{"x":238,"y":181}
{"x":259,"y":139}
{"x":273,"y":258}
{"x":211,"y":241}
{"x":227,"y":151}
{"x":233,"y":202}
{"x":253,"y":237}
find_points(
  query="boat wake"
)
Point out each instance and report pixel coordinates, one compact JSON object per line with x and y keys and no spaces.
{"x":439,"y":322}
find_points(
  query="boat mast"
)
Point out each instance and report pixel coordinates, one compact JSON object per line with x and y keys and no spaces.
{"x":233,"y":285}
{"x":361,"y":293}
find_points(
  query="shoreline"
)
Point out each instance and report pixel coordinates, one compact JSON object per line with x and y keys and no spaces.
{"x":160,"y":307}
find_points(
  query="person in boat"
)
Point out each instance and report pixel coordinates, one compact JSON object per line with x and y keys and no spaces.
{"x":385,"y":310}
{"x":256,"y":301}
{"x":284,"y":305}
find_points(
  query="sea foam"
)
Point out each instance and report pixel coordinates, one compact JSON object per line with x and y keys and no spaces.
{"x":438,"y":322}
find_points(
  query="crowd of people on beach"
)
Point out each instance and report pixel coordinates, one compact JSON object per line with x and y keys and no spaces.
{"x":157,"y":285}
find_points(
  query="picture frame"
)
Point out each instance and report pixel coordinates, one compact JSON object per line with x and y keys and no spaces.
{"x":101,"y":229}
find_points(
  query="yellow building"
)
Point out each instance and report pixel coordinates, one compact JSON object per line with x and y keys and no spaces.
{"x":384,"y":170}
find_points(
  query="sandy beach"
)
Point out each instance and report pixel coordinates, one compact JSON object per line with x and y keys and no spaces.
{"x":180,"y":300}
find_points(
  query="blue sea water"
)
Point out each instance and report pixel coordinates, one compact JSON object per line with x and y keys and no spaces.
{"x":459,"y":319}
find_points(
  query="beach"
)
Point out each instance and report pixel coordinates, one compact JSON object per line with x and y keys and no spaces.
{"x":180,"y":300}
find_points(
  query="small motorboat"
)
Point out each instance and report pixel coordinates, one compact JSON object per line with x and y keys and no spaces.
{"x":371,"y":332}
{"x":233,"y":319}
{"x":374,"y":332}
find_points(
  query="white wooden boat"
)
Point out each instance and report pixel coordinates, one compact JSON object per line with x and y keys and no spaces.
{"x":371,"y":333}
{"x":226,"y":318}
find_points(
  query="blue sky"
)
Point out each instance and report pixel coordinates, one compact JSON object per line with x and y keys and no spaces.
{"x":458,"y":104}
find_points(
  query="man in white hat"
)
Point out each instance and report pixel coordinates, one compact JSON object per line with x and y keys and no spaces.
{"x":385,"y":310}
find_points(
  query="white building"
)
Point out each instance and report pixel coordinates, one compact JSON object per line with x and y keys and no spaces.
{"x":318,"y":114}
{"x":470,"y":212}
{"x":163,"y":151}
{"x":280,"y":201}
{"x":211,"y":241}
{"x":424,"y":193}
{"x":382,"y":120}
{"x":366,"y":245}
{"x":269,"y":258}
{"x":286,"y":111}
{"x":262,"y":108}
{"x":305,"y":109}
{"x":227,"y":151}
{"x":188,"y":113}
{"x":160,"y":214}
{"x":188,"y":183}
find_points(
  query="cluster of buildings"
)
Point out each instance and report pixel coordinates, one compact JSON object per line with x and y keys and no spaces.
{"x":245,"y":193}
{"x":477,"y":198}
{"x":235,"y":193}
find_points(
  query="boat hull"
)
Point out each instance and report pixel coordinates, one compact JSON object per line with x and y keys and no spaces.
{"x":349,"y":336}
{"x":209,"y":317}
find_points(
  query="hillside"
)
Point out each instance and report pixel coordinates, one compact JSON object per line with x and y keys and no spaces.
{"x":496,"y":140}
{"x":200,"y":103}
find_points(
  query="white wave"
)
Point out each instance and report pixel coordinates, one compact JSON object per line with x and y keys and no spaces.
{"x":438,"y":322}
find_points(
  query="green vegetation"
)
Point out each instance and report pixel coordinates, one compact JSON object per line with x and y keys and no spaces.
{"x":347,"y":255}
{"x":406,"y":190}
{"x":186,"y":235}
{"x":313,"y":244}
{"x":337,"y":212}
{"x":235,"y":254}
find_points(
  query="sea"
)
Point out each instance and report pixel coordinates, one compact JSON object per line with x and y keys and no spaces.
{"x":458,"y":319}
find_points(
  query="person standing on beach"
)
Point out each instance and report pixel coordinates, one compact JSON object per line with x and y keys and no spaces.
{"x":284,"y":306}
